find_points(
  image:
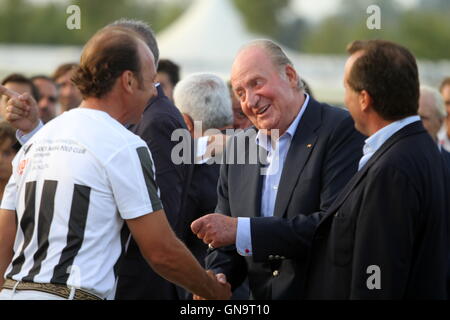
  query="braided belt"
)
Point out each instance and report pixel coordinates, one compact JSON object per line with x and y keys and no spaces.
{"x":55,"y":289}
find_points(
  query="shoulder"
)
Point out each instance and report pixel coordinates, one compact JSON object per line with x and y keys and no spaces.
{"x":415,"y":155}
{"x":334,"y":114}
{"x":161,"y":114}
{"x":326,"y":116}
{"x":103,"y":134}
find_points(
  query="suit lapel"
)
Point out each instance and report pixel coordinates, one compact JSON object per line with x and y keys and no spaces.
{"x":255,"y":179}
{"x":411,"y":129}
{"x":254,"y":190}
{"x":301,"y":147}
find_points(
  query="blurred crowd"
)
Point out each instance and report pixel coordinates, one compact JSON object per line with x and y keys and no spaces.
{"x":203,"y":200}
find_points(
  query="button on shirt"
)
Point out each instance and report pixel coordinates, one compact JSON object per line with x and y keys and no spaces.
{"x":375,"y":141}
{"x":275,"y":158}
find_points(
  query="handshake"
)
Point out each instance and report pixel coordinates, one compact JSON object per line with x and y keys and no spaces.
{"x":219,"y":287}
{"x":216,"y":230}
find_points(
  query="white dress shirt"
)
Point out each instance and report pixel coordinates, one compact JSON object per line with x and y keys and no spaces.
{"x":375,"y":141}
{"x":276,"y":157}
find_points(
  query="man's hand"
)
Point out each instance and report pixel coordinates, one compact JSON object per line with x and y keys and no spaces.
{"x":21,"y":110}
{"x":224,"y":288}
{"x":216,"y":230}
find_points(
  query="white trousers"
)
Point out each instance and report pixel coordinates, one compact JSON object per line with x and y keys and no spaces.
{"x":7,"y":294}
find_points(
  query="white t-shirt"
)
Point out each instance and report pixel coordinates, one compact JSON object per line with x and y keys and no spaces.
{"x":72,"y":186}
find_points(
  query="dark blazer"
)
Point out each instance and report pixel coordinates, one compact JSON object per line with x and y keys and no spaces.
{"x":323,"y":156}
{"x":137,"y":280}
{"x":201,"y":200}
{"x":446,"y":156}
{"x":392,"y":215}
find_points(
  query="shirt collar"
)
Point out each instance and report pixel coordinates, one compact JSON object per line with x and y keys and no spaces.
{"x":265,"y":143}
{"x":375,"y":141}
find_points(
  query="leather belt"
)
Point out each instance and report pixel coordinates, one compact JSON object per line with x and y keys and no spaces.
{"x":55,"y":289}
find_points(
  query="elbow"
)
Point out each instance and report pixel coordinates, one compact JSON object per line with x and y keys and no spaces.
{"x":163,"y":259}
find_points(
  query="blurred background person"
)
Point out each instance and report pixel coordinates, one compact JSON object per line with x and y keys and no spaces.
{"x":168,"y":76}
{"x":444,"y":133}
{"x":69,"y":95}
{"x":48,"y":97}
{"x":203,"y":98}
{"x":240,"y":120}
{"x":20,"y":84}
{"x":8,"y":150}
{"x":431,"y":111}
{"x":307,"y":88}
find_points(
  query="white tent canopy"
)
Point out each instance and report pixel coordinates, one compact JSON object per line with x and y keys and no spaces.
{"x":208,"y":35}
{"x":205,"y":38}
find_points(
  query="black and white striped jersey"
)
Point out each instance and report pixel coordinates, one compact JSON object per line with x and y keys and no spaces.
{"x":72,"y":186}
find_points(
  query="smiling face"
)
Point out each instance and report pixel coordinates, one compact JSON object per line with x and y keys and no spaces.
{"x":268,"y":95}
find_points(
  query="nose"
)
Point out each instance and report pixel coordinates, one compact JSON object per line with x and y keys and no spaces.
{"x":252,"y":99}
{"x":43,"y":103}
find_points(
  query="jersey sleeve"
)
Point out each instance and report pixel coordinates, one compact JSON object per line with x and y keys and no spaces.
{"x":132,"y":176}
{"x":9,"y":195}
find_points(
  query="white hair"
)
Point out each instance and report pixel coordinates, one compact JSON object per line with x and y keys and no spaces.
{"x":276,"y":54}
{"x":438,"y":102}
{"x":205,"y":97}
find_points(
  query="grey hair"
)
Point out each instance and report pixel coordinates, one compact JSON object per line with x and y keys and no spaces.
{"x":276,"y":55}
{"x":144,"y":30}
{"x":204,"y":97}
{"x":438,"y":102}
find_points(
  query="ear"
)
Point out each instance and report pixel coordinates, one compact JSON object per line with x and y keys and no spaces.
{"x":291,"y":75}
{"x":127,"y":80}
{"x":365,"y":101}
{"x":189,"y":123}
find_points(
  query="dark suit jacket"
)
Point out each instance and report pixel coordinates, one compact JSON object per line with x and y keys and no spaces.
{"x":201,"y":200}
{"x":392,"y":215}
{"x":446,"y":156}
{"x":137,"y":280}
{"x":323,"y":156}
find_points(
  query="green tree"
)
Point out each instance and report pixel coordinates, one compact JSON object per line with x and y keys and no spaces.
{"x":426,"y":32}
{"x":22,"y":21}
{"x":262,"y":16}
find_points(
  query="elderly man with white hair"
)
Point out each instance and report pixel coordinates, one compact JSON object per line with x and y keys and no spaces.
{"x":432,"y":111}
{"x":205,"y":104}
{"x":204,"y":100}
